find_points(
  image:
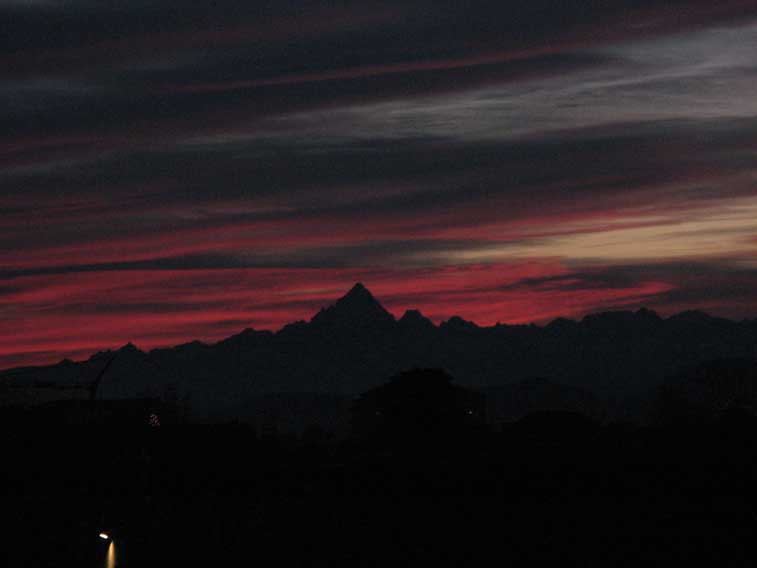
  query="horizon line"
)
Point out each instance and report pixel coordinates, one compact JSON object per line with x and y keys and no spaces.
{"x":361,"y":286}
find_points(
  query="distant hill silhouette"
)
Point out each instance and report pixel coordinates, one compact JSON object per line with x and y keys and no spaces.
{"x":355,"y":344}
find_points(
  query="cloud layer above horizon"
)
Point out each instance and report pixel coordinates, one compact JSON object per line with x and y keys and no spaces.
{"x":179,"y":173}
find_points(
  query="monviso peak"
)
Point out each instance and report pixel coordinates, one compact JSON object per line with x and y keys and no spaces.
{"x":357,"y":308}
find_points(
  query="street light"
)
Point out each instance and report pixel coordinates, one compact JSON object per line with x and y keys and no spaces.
{"x":110,"y":560}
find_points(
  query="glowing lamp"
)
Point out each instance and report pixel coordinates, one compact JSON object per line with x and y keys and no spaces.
{"x":104,"y":536}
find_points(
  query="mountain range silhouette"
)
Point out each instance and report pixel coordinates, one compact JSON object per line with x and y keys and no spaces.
{"x":356,"y":344}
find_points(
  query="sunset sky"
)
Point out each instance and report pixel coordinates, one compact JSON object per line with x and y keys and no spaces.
{"x":170,"y":174}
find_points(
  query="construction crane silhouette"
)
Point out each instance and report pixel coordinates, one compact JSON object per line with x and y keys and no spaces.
{"x":95,"y":384}
{"x":98,"y":379}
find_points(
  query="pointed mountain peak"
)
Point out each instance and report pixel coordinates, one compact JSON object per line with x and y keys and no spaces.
{"x":358,"y":291}
{"x":357,"y":307}
{"x":360,"y":298}
{"x":415,"y":319}
{"x":457,"y":323}
{"x":130,"y":349}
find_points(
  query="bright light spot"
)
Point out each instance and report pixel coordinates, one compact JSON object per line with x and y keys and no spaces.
{"x":110,"y":561}
{"x":103,"y":536}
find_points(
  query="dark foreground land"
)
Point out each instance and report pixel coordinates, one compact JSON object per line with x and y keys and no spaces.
{"x":548,"y":490}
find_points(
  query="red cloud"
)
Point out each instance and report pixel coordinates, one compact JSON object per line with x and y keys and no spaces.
{"x":47,"y":318}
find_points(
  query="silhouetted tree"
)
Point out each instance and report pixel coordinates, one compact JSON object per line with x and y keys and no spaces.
{"x":420,"y":403}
